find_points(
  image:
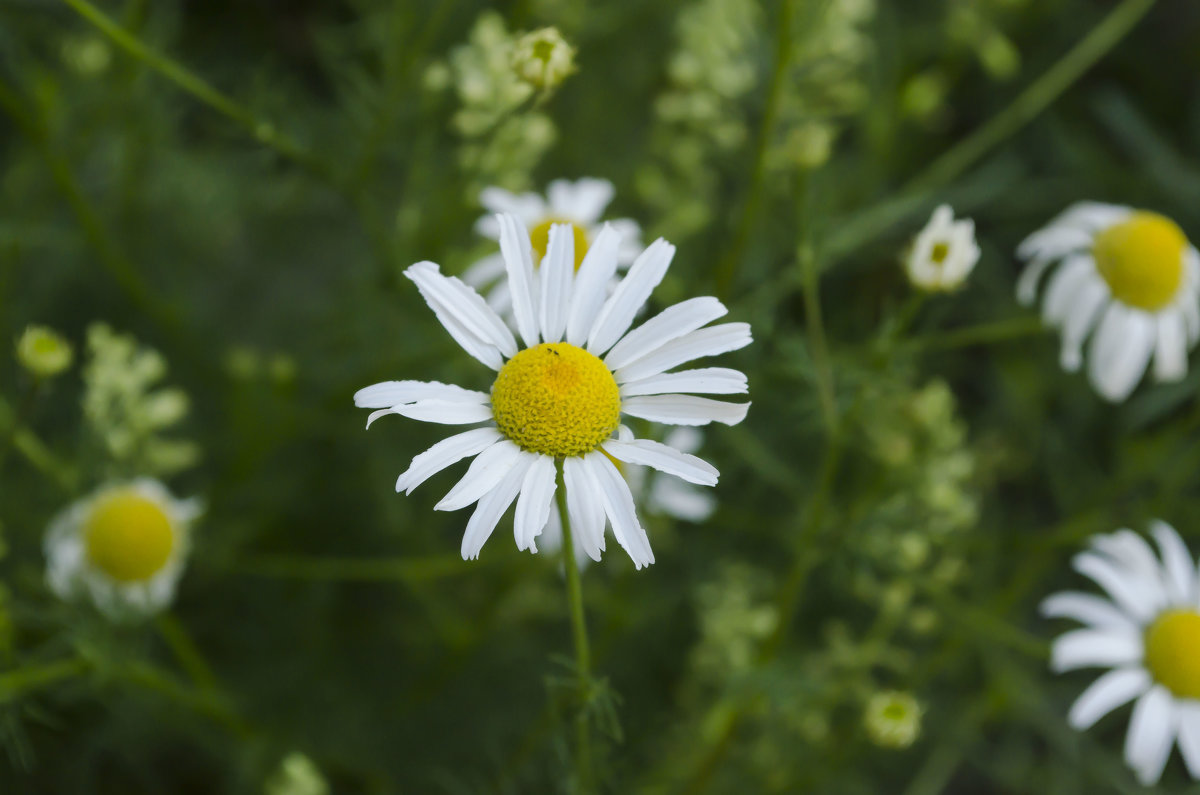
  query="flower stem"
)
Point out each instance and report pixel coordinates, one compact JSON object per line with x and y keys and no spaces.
{"x":22,"y":680}
{"x":583,"y":662}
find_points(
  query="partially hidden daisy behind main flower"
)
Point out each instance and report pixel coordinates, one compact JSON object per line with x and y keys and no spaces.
{"x":554,"y":410}
{"x":943,"y":254}
{"x":580,"y":204}
{"x":123,"y":547}
{"x":1128,"y":279}
{"x":1148,"y":633}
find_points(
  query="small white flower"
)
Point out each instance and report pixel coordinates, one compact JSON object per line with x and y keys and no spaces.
{"x":1129,"y":276}
{"x":554,"y":409}
{"x":124,"y":547}
{"x":543,"y":58}
{"x":944,"y":252}
{"x":1148,"y":633}
{"x":581,"y":204}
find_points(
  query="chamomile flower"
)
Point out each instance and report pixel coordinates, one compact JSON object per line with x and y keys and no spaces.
{"x":579,"y":204}
{"x":1130,"y":280}
{"x":1148,"y":633}
{"x":123,"y":547}
{"x":944,"y":253}
{"x":554,"y":410}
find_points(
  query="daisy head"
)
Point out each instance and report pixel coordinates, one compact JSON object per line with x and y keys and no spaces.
{"x":944,"y":253}
{"x":1128,"y":279}
{"x":123,"y":547}
{"x":1146,"y":631}
{"x":579,"y":204}
{"x":554,"y":412}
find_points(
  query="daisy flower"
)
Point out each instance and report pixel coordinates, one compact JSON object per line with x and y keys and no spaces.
{"x":579,"y":204}
{"x":1148,"y":633}
{"x":553,"y":412}
{"x":944,"y":253}
{"x":1128,"y":278}
{"x":124,"y":547}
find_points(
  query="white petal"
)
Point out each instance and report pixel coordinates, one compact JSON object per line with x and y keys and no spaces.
{"x":533,"y":506}
{"x":445,"y":453}
{"x":697,"y":344}
{"x":1053,"y":243}
{"x":1112,"y":690}
{"x":1178,"y":567}
{"x":1120,"y":351}
{"x":464,"y":313}
{"x":1170,"y":347}
{"x":518,"y":261}
{"x":1151,"y":735}
{"x":1087,"y":609}
{"x":1135,"y":595}
{"x":1092,"y":648}
{"x":685,"y":439}
{"x":663,"y":458}
{"x":618,"y":506}
{"x":672,"y":323}
{"x":1080,"y":320}
{"x":623,"y":305}
{"x":1028,"y":280}
{"x":394,"y":393}
{"x":556,"y":273}
{"x":681,"y":500}
{"x":684,"y":410}
{"x":488,"y":469}
{"x":584,"y":508}
{"x":444,"y":412}
{"x":583,"y":201}
{"x":1064,"y":287}
{"x":529,"y":208}
{"x":591,"y":284}
{"x":1129,"y":550}
{"x":1189,"y":735}
{"x":703,"y":380}
{"x":492,"y":506}
{"x":631,"y":240}
{"x":486,"y":270}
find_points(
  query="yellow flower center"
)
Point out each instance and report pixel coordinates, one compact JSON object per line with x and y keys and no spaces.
{"x":1173,"y":652}
{"x":128,"y":537}
{"x":556,"y":399}
{"x":1141,"y":258}
{"x":539,"y":236}
{"x":940,"y":252}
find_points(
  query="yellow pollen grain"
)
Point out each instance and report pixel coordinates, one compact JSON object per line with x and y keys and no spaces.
{"x":1141,"y":258}
{"x":556,"y":399}
{"x":128,"y":537}
{"x":1173,"y":652}
{"x":539,"y":237}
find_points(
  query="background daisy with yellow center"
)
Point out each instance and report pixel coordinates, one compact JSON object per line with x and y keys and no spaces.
{"x":553,"y":414}
{"x":1128,"y":279}
{"x":579,"y":204}
{"x":1147,"y":632}
{"x":123,"y":547}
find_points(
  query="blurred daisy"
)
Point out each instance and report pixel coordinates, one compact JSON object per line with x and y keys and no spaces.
{"x":579,"y":204}
{"x":1131,"y":277}
{"x":1148,"y":632}
{"x":554,"y":408}
{"x":944,"y":252}
{"x":124,"y":547}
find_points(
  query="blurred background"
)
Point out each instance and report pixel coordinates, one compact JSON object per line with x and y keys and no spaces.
{"x":238,"y":186}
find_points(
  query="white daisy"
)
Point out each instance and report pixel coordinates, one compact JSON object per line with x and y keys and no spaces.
{"x":1128,"y":275}
{"x":555,"y":400}
{"x":124,"y":547}
{"x":1148,"y":633}
{"x":580,"y":204}
{"x":944,"y":253}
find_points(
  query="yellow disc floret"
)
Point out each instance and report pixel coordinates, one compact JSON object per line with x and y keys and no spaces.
{"x":1173,"y":652}
{"x":539,"y":237}
{"x":556,"y":399}
{"x":1141,"y":258}
{"x":129,"y":537}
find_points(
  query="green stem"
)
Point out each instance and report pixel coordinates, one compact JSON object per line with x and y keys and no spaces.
{"x":176,"y":636}
{"x":23,"y":680}
{"x":583,"y":663}
{"x":817,"y":342}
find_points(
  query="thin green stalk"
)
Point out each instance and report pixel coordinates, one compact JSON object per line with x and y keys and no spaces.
{"x":583,"y":662}
{"x":186,"y":652}
{"x":783,"y":56}
{"x":33,"y":677}
{"x":817,"y":343}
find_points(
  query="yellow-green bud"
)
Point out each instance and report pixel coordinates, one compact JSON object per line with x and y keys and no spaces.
{"x":43,"y":352}
{"x":543,"y":58}
{"x":893,"y":719}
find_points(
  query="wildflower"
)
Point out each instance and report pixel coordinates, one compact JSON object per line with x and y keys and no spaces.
{"x":1128,"y":275}
{"x":124,"y":547}
{"x":43,"y":352}
{"x":297,"y":775}
{"x":1148,"y":633}
{"x":555,"y":398}
{"x":893,"y":719}
{"x":944,"y":252}
{"x":580,"y":204}
{"x":543,"y":58}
